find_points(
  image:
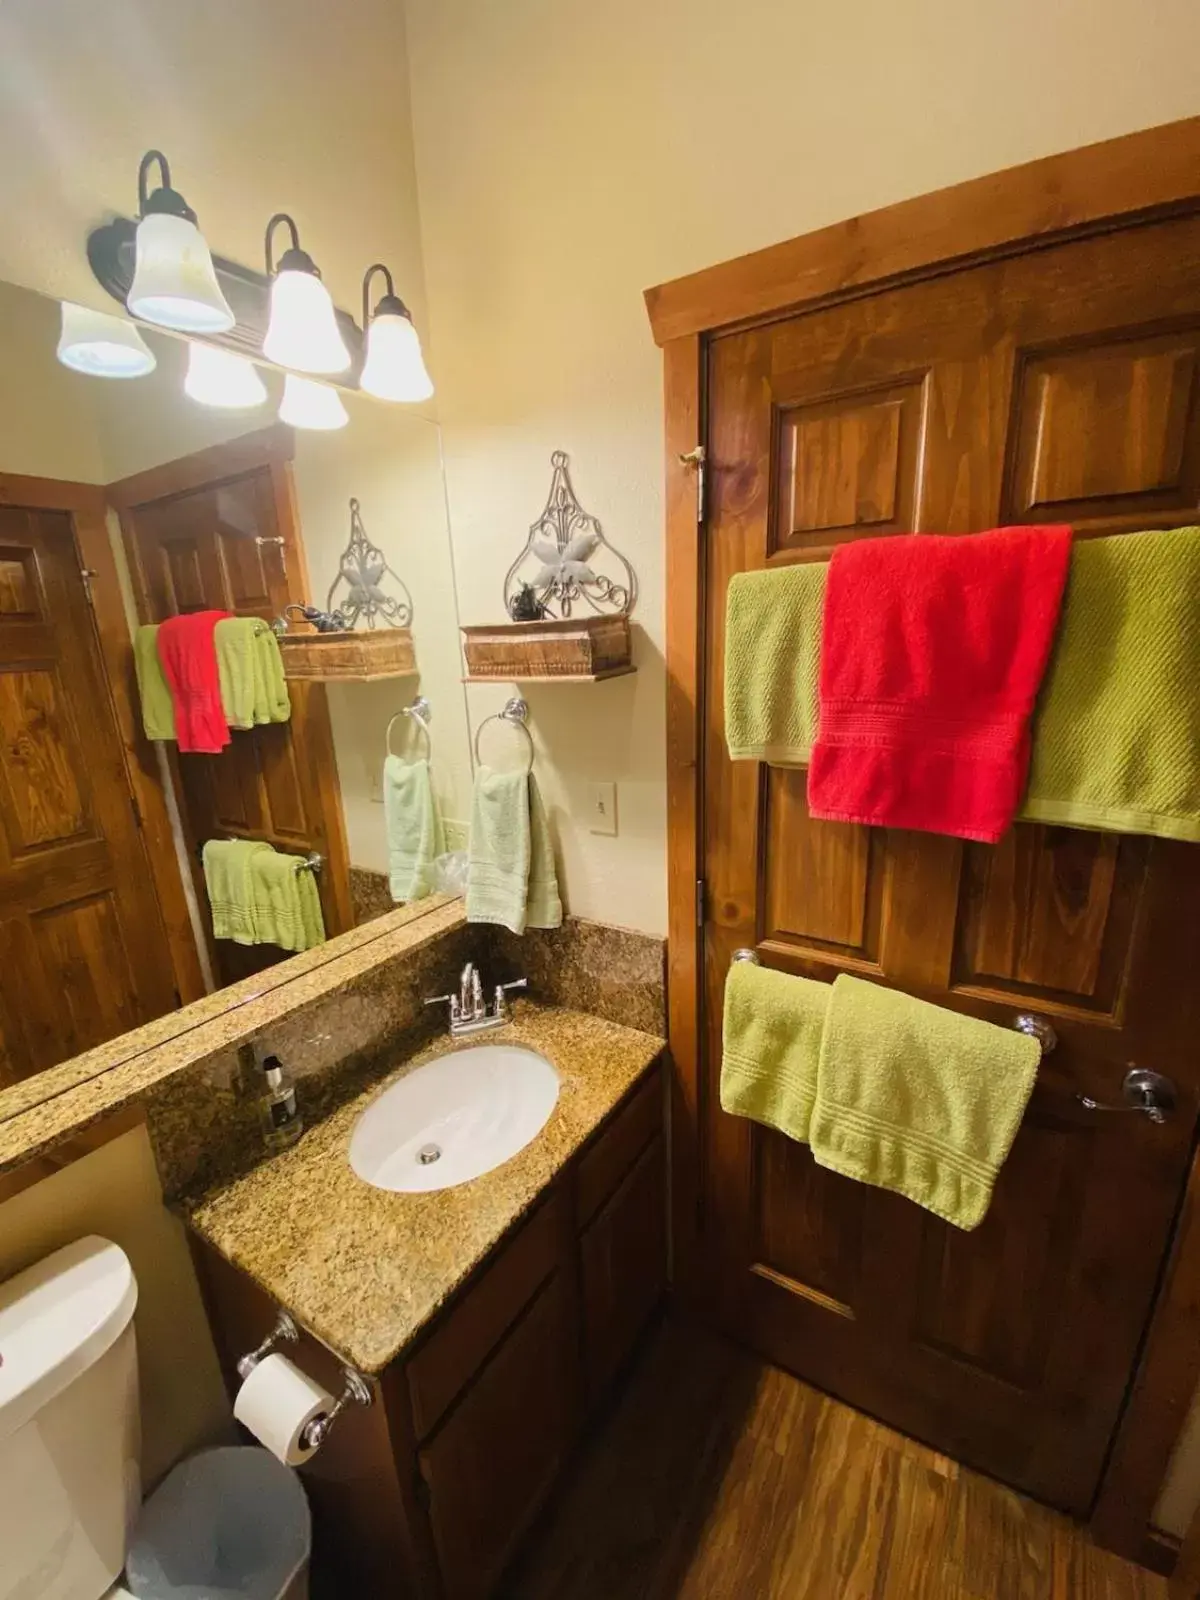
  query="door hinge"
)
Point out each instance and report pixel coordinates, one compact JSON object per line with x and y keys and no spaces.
{"x":700,"y":902}
{"x":280,"y":544}
{"x":86,"y":575}
{"x":697,"y":458}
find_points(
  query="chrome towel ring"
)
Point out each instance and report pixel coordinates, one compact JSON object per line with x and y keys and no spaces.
{"x":516,"y":711}
{"x":421,"y":713}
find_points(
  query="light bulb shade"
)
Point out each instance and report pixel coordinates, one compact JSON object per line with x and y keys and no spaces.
{"x":395,"y":368}
{"x":303,"y":331}
{"x":174,"y":284}
{"x":311,"y":405}
{"x":101,"y":345}
{"x":220,"y":378}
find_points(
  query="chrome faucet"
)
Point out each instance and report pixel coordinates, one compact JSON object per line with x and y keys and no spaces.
{"x":468,"y":1011}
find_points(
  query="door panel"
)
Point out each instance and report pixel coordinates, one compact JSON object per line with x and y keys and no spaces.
{"x":226,"y":546}
{"x":82,"y":945}
{"x":1060,"y":384}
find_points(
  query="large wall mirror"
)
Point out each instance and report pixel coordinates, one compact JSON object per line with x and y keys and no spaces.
{"x":127,"y":502}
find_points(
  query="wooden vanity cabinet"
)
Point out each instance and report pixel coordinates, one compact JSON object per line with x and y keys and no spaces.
{"x":429,"y":1493}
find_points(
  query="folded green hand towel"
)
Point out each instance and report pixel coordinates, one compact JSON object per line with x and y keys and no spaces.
{"x":231,"y":893}
{"x":510,"y":865}
{"x":543,"y":907}
{"x":158,"y":709}
{"x":414,"y":827}
{"x":772,"y":661}
{"x":1116,"y":735}
{"x":287,"y":904}
{"x":253,"y":689}
{"x":918,"y":1099}
{"x":772,"y":1046}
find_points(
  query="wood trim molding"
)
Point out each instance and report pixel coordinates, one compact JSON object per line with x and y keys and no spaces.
{"x":86,"y":505}
{"x":1062,"y":194}
{"x":681,"y":396}
{"x":263,"y":448}
{"x":1145,"y":174}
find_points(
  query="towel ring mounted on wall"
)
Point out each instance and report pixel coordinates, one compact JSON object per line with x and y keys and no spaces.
{"x":421,"y":713}
{"x":515,"y":711}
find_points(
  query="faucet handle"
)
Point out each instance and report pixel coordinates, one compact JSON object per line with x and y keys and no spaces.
{"x":440,"y":1000}
{"x":499,"y":1010}
{"x":517,"y":983}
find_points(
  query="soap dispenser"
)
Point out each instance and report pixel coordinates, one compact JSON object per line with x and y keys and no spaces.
{"x":278,"y":1112}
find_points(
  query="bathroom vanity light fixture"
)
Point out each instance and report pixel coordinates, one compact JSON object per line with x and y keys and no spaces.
{"x":102,"y":345}
{"x":174,"y":282}
{"x":395,"y":368}
{"x":311,"y":405}
{"x":303,"y":332}
{"x":220,"y":378}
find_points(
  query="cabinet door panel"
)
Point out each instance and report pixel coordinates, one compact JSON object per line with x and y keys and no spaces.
{"x":624,"y":1269}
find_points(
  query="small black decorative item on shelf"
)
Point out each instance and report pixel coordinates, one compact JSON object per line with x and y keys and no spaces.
{"x":564,"y":561}
{"x":362,"y":568}
{"x":322,"y":621}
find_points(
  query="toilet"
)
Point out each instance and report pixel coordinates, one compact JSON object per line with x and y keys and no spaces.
{"x":226,"y":1521}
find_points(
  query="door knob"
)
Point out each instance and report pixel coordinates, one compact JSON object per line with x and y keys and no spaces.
{"x":1142,"y":1090}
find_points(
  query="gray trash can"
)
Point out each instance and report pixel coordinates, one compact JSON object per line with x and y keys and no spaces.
{"x":228,"y":1524}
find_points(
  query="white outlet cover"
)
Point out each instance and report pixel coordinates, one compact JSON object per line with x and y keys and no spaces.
{"x":602,"y":807}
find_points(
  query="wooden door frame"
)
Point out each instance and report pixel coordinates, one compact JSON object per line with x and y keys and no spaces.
{"x":269,"y":449}
{"x":86,"y":505}
{"x":1148,"y":175}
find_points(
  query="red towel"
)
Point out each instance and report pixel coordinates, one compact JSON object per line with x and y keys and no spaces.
{"x":932,"y":651}
{"x":189,"y":663}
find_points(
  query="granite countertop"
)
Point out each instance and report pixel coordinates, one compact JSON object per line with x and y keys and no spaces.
{"x":365,"y":1270}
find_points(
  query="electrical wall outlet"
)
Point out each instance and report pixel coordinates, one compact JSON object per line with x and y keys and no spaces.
{"x":602,"y":807}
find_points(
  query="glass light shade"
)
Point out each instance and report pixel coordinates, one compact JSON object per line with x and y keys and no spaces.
{"x":311,"y":405}
{"x":395,"y":368}
{"x":303,"y":331}
{"x":102,"y":345}
{"x":174,"y":284}
{"x":220,"y":378}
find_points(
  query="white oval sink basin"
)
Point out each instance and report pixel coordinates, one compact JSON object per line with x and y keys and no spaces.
{"x":454,"y":1119}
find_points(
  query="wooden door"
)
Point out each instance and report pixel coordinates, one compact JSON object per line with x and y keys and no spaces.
{"x":83,"y":950}
{"x":212,"y":531}
{"x":1059,"y":385}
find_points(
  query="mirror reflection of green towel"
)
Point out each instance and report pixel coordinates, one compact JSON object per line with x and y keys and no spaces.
{"x":414,"y":827}
{"x":254,"y":690}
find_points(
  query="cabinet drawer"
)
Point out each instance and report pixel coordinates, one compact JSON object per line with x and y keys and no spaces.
{"x":624,"y":1258}
{"x":460,"y":1343}
{"x":494,"y":1460}
{"x":618,"y":1146}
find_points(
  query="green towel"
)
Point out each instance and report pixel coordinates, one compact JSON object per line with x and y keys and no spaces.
{"x":287,"y":906}
{"x":253,"y":690}
{"x":917,"y":1099}
{"x":1116,"y":736}
{"x":510,"y":867}
{"x":231,"y":894}
{"x":772,"y":1045}
{"x":887,"y":1089}
{"x":414,"y":827}
{"x":772,"y":658}
{"x":158,"y":709}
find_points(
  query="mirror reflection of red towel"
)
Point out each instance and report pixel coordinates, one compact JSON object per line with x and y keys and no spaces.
{"x":189,"y":663}
{"x":933,"y":648}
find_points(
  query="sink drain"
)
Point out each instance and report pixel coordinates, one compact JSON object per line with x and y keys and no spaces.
{"x":428,"y":1154}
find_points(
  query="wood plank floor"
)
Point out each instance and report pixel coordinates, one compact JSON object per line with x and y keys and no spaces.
{"x":718,"y":1478}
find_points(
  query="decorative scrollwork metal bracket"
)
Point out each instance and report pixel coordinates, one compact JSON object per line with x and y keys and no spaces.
{"x":362,"y":567}
{"x":565,"y":554}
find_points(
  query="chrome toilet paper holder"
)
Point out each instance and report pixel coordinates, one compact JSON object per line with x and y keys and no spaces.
{"x":356,"y":1390}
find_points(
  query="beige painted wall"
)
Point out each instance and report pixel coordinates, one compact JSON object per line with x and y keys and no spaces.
{"x":115,"y":1192}
{"x":570,"y":154}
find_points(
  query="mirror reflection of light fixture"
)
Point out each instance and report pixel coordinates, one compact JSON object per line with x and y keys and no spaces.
{"x":311,"y":405}
{"x":303,"y":331}
{"x":220,"y":378}
{"x":395,"y":368}
{"x":174,"y":283}
{"x":102,"y":345}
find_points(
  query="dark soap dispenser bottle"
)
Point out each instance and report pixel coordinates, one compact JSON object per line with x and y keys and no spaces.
{"x":278,"y":1112}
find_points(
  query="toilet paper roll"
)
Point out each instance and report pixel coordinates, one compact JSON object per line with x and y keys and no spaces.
{"x":276,"y":1402}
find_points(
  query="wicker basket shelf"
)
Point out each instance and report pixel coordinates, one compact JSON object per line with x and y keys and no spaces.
{"x":575,"y":650}
{"x":350,"y":657}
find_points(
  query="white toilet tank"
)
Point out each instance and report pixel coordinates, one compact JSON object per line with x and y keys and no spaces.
{"x":69,"y":1427}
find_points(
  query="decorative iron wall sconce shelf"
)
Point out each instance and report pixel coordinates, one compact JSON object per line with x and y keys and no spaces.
{"x":567,"y":650}
{"x":348,"y":657}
